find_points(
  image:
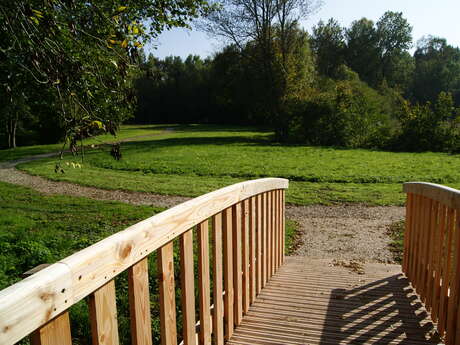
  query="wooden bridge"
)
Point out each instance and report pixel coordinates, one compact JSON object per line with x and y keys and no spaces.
{"x":244,"y":290}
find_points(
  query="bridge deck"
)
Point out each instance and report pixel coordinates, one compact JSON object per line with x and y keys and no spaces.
{"x":320,"y":302}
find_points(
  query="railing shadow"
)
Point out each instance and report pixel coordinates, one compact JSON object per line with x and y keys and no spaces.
{"x":381,"y":312}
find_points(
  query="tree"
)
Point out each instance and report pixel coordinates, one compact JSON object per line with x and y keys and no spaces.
{"x":394,"y":40}
{"x":85,"y":52}
{"x":328,"y":43}
{"x":262,"y":30}
{"x":437,"y":69}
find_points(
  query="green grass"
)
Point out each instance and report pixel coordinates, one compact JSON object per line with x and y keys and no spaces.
{"x":126,"y":131}
{"x":196,"y":159}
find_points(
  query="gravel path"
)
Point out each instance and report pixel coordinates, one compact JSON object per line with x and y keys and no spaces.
{"x":343,"y":232}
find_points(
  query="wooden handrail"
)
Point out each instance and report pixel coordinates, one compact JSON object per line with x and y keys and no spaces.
{"x":432,"y":252}
{"x":247,"y":222}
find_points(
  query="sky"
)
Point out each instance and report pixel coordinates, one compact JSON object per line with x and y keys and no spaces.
{"x":428,"y":17}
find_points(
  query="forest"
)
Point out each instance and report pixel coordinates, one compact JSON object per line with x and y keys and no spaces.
{"x":361,"y":86}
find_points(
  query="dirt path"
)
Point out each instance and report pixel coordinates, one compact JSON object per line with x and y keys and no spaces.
{"x":343,"y":232}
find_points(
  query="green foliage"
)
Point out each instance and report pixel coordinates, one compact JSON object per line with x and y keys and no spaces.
{"x":431,"y":127}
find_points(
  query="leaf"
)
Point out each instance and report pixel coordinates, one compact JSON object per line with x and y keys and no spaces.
{"x":138,"y":45}
{"x":35,"y":20}
{"x":114,"y":63}
{"x":121,"y":8}
{"x":124,"y":44}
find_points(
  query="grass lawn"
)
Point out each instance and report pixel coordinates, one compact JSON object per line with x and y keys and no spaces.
{"x":196,"y":159}
{"x":126,"y":131}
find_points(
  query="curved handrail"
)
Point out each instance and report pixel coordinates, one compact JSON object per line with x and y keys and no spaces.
{"x":446,"y":195}
{"x":32,"y":302}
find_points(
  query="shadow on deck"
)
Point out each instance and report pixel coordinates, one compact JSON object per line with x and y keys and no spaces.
{"x":313,"y":302}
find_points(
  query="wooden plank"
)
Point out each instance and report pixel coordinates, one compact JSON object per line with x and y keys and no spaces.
{"x":228,"y":272}
{"x":55,"y":332}
{"x":259,"y":242}
{"x":283,"y":224}
{"x":103,"y":315}
{"x":441,"y":230}
{"x":425,"y":248}
{"x":237,"y":262}
{"x":446,"y":273}
{"x":188,"y":287}
{"x":445,"y":195}
{"x":139,"y":303}
{"x":245,"y":258}
{"x":218,"y":311}
{"x":264,"y":240}
{"x":204,"y":283}
{"x":278,"y":226}
{"x":269,"y":235}
{"x":452,"y":308}
{"x":407,"y":231}
{"x":457,"y":326}
{"x":252,"y":249}
{"x":165,"y":262}
{"x":432,"y":255}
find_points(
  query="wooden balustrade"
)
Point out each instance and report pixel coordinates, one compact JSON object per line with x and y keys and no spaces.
{"x":246,"y":222}
{"x":432,"y":253}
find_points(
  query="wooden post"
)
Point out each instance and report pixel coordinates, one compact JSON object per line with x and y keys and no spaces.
{"x":103,"y":315}
{"x":204,"y":283}
{"x":218,"y":312}
{"x":188,"y":287}
{"x":228,"y":273}
{"x":165,"y":263}
{"x":55,"y":332}
{"x":139,"y":303}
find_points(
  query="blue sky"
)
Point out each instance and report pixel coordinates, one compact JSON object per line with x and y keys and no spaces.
{"x":438,"y":18}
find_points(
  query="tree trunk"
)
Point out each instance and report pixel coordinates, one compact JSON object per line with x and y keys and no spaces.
{"x":11,"y":127}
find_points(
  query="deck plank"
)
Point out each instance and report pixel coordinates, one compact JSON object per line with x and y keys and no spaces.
{"x":315,"y":302}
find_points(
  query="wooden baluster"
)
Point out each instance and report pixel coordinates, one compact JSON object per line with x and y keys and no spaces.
{"x":165,"y":263}
{"x":457,"y":321}
{"x":441,"y":230}
{"x":204,"y":283}
{"x":452,"y":309}
{"x":55,"y":332}
{"x":431,"y":255}
{"x":280,"y":241}
{"x":259,"y":242}
{"x":416,"y":242}
{"x":446,"y":274}
{"x":425,"y":249}
{"x":283,"y":225}
{"x":188,"y":287}
{"x":245,"y":243}
{"x":269,"y":235}
{"x":139,"y":303}
{"x":407,"y":231}
{"x":218,"y":313}
{"x":252,"y":249}
{"x":237,"y":261}
{"x":228,"y":273}
{"x":275,"y":231}
{"x":264,"y":240}
{"x":103,"y":315}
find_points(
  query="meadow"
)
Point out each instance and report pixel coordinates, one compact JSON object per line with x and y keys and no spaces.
{"x":191,"y":160}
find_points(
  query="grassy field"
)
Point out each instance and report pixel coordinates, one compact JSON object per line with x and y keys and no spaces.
{"x":195,"y":159}
{"x":134,"y":132}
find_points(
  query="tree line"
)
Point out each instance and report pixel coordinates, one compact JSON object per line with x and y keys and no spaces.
{"x":352,"y":87}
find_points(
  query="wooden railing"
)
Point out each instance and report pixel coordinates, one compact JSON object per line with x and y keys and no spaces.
{"x":432,"y":253}
{"x":247,"y":231}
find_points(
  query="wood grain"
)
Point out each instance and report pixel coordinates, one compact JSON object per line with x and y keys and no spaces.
{"x":228,"y":273}
{"x":139,"y":303}
{"x":103,"y":315}
{"x":259,"y":242}
{"x":55,"y":332}
{"x":165,"y":262}
{"x":188,"y":287}
{"x":237,"y":264}
{"x":245,"y":254}
{"x":218,"y":311}
{"x":204,"y":287}
{"x":252,"y":249}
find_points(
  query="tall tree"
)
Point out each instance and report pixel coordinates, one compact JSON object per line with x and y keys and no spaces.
{"x":328,"y":43}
